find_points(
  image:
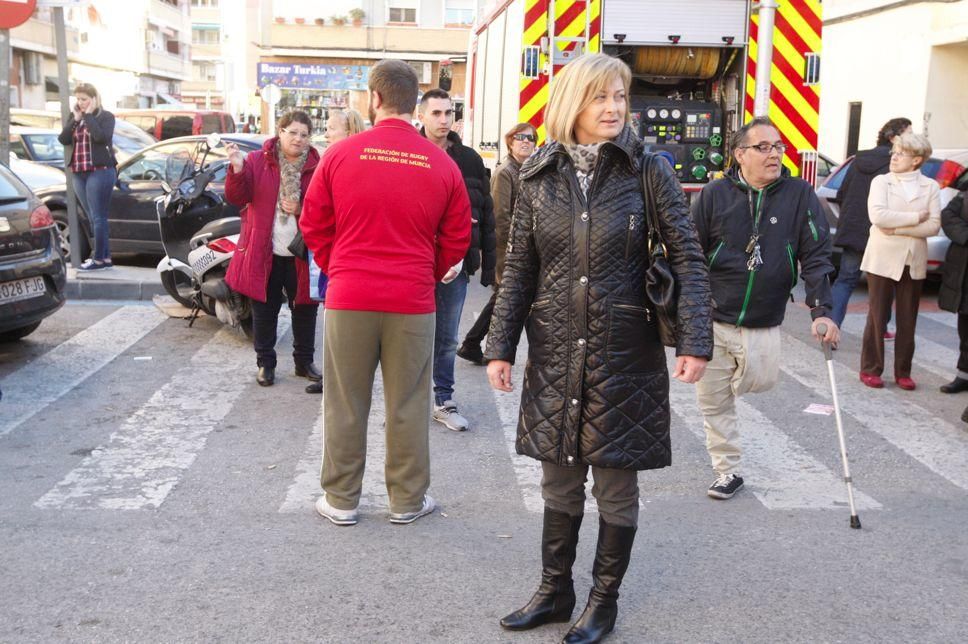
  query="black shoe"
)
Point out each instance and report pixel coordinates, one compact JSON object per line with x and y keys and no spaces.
{"x":956,"y":386}
{"x":315,"y":388}
{"x":471,"y":353}
{"x":309,"y":370}
{"x":964,"y":415}
{"x":611,"y":561}
{"x":266,"y":376}
{"x":555,"y":599}
{"x":725,"y":486}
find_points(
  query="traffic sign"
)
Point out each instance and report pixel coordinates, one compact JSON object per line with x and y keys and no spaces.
{"x":14,"y":13}
{"x":271,"y":94}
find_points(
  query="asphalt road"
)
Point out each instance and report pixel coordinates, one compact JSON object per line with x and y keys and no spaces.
{"x":153,"y":492}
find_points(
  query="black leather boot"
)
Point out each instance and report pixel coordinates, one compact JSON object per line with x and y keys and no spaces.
{"x":555,"y":599}
{"x":956,"y":386}
{"x":611,"y":561}
{"x":266,"y":376}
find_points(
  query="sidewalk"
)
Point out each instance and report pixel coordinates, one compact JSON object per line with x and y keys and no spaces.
{"x":116,"y":283}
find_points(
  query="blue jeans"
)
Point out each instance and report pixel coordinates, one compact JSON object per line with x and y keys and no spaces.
{"x":450,"y":305}
{"x":847,"y":279}
{"x":94,"y":190}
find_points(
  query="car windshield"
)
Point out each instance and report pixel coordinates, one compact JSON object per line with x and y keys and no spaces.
{"x":130,"y":139}
{"x":44,"y":147}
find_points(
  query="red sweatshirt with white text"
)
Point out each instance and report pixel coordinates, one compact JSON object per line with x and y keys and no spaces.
{"x":386,"y":215}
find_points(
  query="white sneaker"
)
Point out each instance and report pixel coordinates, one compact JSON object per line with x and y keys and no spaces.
{"x":449,"y":416}
{"x":409,"y":517}
{"x":338,"y":517}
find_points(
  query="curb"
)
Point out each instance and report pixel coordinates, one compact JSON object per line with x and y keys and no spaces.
{"x":113,"y":290}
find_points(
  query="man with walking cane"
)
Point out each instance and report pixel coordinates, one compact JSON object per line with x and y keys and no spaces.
{"x":755,"y":226}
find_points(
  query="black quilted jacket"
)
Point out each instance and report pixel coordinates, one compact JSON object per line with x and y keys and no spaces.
{"x":596,"y":387}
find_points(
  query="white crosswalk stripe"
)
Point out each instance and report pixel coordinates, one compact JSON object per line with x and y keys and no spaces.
{"x":144,"y":459}
{"x":894,"y":415}
{"x":72,"y":362}
{"x":779,"y":472}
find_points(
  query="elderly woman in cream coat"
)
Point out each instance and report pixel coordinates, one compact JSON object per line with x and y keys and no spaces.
{"x":905,"y":210}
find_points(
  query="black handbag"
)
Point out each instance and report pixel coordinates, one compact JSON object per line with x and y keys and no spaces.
{"x":661,"y":287}
{"x":298,"y":247}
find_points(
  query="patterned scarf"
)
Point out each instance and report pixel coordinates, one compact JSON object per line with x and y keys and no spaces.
{"x":290,"y":180}
{"x":584,"y":158}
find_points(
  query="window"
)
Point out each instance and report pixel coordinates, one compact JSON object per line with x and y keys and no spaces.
{"x":173,"y":126}
{"x":153,"y":165}
{"x":205,"y":35}
{"x":811,"y":73}
{"x":204,"y":3}
{"x":402,"y":11}
{"x":211,"y":123}
{"x":203,"y":71}
{"x":458,"y":13}
{"x":43,"y":147}
{"x":853,"y":127}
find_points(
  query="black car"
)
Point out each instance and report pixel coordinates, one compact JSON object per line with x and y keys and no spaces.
{"x":33,"y":275}
{"x":133,"y":221}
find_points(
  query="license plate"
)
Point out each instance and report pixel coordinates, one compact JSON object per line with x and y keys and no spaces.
{"x":22,"y":289}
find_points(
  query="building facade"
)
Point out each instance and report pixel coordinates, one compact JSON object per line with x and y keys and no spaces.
{"x":885,"y":59}
{"x":320,"y":54}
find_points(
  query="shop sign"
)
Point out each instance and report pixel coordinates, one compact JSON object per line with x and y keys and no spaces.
{"x":313,"y":77}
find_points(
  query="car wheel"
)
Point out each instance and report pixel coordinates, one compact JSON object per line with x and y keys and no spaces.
{"x":16,"y":334}
{"x":179,"y":286}
{"x":64,"y":236}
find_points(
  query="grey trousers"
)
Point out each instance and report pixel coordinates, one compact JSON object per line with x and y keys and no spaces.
{"x":355,"y":343}
{"x":616,"y":491}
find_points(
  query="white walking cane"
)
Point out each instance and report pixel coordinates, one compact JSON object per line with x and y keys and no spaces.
{"x":828,"y":355}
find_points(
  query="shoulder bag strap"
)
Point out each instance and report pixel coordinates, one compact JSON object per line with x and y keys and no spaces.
{"x":651,"y":212}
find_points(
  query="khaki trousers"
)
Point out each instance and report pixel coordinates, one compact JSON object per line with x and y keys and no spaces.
{"x":355,"y":342}
{"x":744,"y":361}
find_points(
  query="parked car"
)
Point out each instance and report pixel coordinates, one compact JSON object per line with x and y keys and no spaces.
{"x":947,"y":167}
{"x":33,"y":275}
{"x":164,"y":124}
{"x":132,"y":217}
{"x":41,"y":145}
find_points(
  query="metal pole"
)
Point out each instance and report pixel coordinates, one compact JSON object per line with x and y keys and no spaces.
{"x":764,"y":57}
{"x":5,"y":97}
{"x":73,"y":223}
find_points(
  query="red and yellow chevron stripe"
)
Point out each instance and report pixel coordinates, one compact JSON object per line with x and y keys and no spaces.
{"x":569,"y":23}
{"x":794,"y":106}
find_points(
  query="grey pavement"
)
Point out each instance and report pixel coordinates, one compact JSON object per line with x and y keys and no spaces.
{"x":120,"y":282}
{"x":153,"y":492}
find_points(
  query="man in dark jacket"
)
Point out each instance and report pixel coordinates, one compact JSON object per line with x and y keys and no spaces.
{"x":953,"y":294}
{"x":854,"y":224}
{"x":755,"y":225}
{"x":436,"y":113}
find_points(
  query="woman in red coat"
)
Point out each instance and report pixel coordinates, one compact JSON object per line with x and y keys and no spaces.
{"x":269,"y":186}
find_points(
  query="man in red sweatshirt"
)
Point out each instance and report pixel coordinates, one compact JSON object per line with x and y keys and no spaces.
{"x":386,"y":217}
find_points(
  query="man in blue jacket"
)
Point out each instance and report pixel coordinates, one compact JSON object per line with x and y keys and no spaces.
{"x":756,"y":226}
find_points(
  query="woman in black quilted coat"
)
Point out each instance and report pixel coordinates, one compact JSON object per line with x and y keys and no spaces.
{"x":596,"y":385}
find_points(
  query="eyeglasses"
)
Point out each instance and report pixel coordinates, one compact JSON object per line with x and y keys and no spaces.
{"x":295,"y":135}
{"x":764,"y":148}
{"x":524,"y":137}
{"x":898,"y":153}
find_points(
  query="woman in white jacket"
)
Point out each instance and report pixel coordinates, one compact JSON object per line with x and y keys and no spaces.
{"x":905,"y":209}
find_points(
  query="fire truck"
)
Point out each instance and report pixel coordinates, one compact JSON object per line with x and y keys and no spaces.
{"x":694,"y":69}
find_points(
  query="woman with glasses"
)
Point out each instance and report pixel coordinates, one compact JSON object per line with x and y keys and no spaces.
{"x":595,"y":390}
{"x":520,"y":141}
{"x":905,"y":209}
{"x":268,"y":185}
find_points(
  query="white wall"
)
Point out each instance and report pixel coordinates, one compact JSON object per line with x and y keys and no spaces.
{"x":947,"y":97}
{"x":884,"y":61}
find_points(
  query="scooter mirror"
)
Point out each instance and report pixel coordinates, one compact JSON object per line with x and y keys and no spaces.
{"x":213,"y":140}
{"x":165,"y":186}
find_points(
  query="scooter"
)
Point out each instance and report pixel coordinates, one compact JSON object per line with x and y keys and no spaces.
{"x":198,"y":254}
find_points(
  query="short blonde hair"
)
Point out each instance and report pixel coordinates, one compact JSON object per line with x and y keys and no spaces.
{"x":517,"y":129}
{"x":574,"y":88}
{"x":354,"y":122}
{"x":914,"y":144}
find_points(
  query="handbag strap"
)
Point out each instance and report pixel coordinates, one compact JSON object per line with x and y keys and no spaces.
{"x":656,"y":245}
